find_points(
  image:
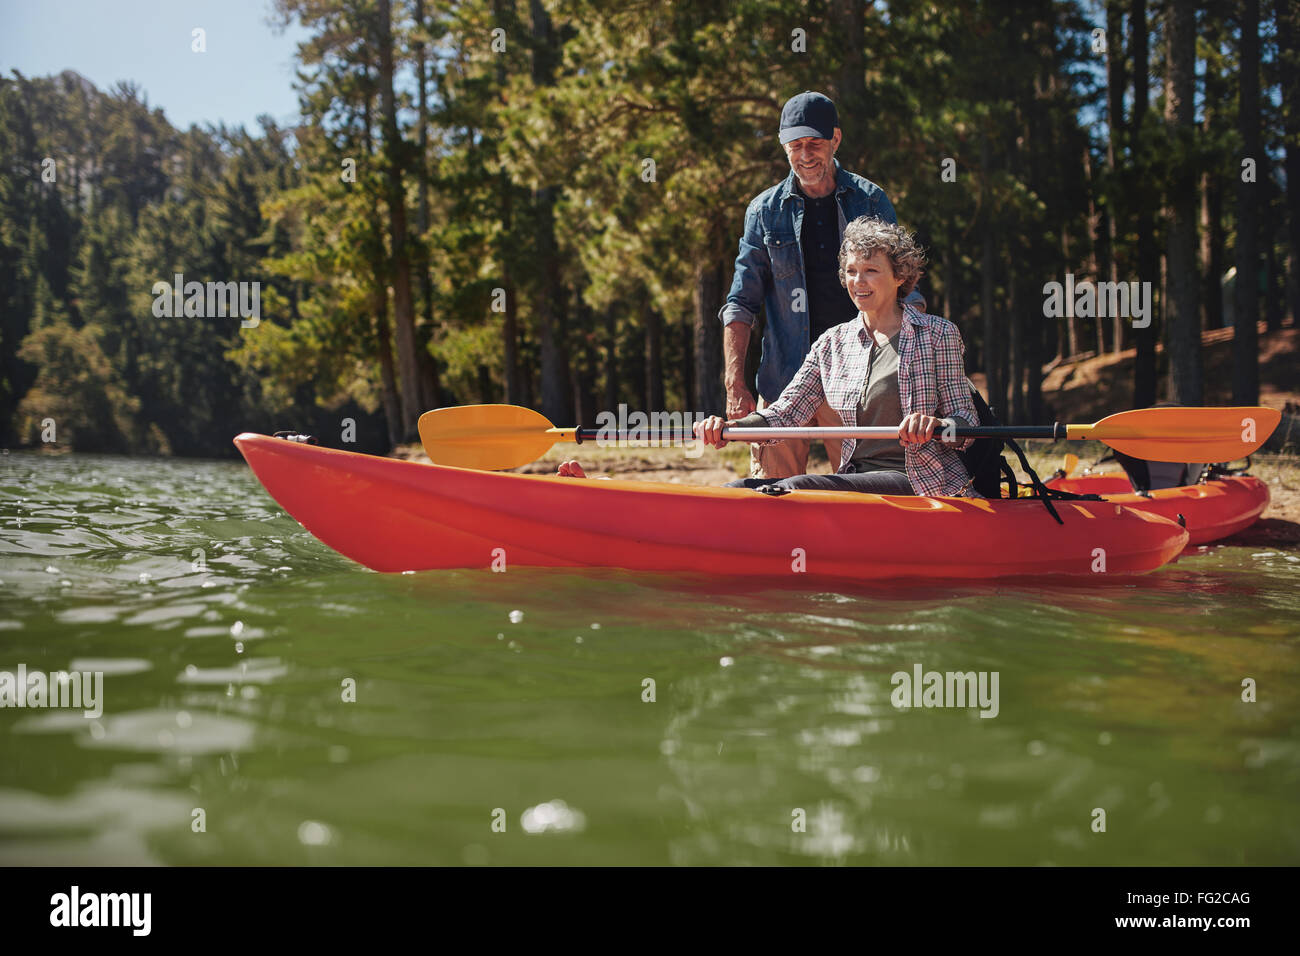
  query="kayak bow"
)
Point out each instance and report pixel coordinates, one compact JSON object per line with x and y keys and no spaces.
{"x":1216,"y":509}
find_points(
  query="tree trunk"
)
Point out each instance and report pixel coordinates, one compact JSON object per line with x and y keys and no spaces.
{"x":1144,"y":366}
{"x":1273,"y":300}
{"x":549,"y":307}
{"x":1094,"y":241}
{"x":387,"y":375}
{"x":549,"y":304}
{"x":1067,"y":345}
{"x":510,"y":327}
{"x":526,"y":355}
{"x":1041,"y":124}
{"x":993,"y":345}
{"x":1095,"y":232}
{"x":1033,"y":335}
{"x":503,"y":14}
{"x":707,"y":396}
{"x":585,"y":388}
{"x":952,"y":309}
{"x":1245,"y":307}
{"x":1212,"y":204}
{"x":1106,"y":269}
{"x":654,"y":358}
{"x":611,"y":360}
{"x":400,"y":272}
{"x":1116,"y":82}
{"x":379,"y":296}
{"x":1016,"y":347}
{"x":1288,"y":61}
{"x":688,"y":364}
{"x":1214,"y":257}
{"x":848,"y":21}
{"x":584,"y":380}
{"x":430,"y":388}
{"x":1184,"y":326}
{"x":994,"y":329}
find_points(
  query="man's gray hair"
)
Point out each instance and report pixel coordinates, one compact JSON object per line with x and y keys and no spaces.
{"x":867,"y":235}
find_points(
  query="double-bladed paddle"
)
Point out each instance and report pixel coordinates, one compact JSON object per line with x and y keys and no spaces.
{"x":496,"y":437}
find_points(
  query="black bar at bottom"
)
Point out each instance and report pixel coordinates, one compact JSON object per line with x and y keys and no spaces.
{"x":332,"y":904}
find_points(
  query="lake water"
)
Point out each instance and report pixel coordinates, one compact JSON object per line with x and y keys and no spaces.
{"x":266,"y":701}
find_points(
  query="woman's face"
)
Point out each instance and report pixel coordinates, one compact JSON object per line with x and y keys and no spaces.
{"x":871,"y":282}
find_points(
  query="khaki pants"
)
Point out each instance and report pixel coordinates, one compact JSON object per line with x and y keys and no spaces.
{"x":785,"y":459}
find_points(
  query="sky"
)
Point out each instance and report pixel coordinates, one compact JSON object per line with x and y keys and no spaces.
{"x":247,"y":69}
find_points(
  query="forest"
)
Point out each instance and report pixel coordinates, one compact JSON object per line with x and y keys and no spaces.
{"x":539,"y":204}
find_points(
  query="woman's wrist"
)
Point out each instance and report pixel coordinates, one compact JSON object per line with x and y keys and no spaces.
{"x":752,"y":420}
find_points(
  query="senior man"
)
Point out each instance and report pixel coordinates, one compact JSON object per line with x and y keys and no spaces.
{"x":789,"y":264}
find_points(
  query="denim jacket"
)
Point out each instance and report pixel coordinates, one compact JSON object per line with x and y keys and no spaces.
{"x":769,"y":270}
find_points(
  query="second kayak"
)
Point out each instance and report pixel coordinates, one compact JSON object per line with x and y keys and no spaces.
{"x":394,"y":515}
{"x":1216,"y":509}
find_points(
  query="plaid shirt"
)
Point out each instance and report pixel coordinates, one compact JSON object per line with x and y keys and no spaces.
{"x":931,"y":380}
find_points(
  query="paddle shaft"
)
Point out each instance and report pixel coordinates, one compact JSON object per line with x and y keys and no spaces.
{"x":674,"y":435}
{"x":496,"y":437}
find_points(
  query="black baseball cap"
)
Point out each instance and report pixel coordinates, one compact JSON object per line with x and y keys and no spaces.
{"x":808,"y":114}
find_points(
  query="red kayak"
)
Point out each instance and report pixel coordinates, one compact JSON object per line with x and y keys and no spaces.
{"x":1216,"y":509}
{"x":397,"y":516}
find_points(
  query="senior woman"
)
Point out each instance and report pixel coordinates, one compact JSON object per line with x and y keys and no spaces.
{"x":891,"y":365}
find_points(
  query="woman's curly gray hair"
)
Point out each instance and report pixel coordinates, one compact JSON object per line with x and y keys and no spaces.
{"x":867,"y":235}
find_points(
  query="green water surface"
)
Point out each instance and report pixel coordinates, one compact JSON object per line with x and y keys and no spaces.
{"x":229,"y":638}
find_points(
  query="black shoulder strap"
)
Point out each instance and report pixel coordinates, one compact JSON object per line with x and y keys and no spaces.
{"x":1009,"y":473}
{"x":1041,"y":491}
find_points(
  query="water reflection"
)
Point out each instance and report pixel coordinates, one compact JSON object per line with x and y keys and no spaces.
{"x":771,"y":737}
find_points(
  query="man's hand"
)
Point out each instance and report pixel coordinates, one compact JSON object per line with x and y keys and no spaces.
{"x":739,"y":401}
{"x":710,"y":430}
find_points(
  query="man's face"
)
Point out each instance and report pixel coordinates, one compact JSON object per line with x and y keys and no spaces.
{"x":812,"y":158}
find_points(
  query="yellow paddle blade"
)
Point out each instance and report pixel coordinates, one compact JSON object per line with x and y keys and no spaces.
{"x":1184,"y":434}
{"x":488,"y":437}
{"x":1071,"y":463}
